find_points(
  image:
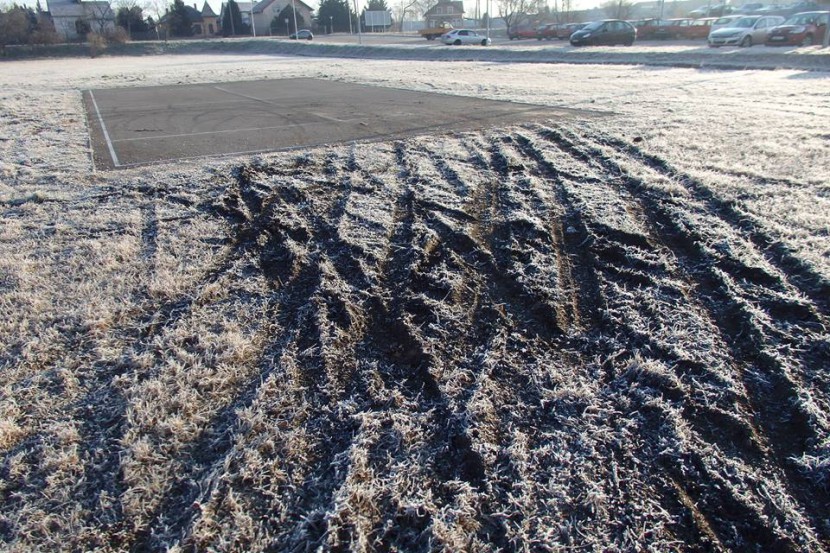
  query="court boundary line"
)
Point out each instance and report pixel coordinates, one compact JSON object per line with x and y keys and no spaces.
{"x":114,"y":156}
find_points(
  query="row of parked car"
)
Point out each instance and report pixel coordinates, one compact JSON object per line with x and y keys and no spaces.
{"x":801,"y":29}
{"x":755,"y":8}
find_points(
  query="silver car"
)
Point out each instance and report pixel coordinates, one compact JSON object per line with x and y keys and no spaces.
{"x":745,"y":31}
{"x":464,"y":36}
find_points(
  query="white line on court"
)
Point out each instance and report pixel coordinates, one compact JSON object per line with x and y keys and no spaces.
{"x":104,"y":128}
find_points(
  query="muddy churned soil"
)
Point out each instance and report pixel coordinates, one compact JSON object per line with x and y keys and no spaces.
{"x":541,"y":338}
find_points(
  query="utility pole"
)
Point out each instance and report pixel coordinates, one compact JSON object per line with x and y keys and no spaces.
{"x":488,"y":18}
{"x":359,"y":36}
{"x":294,"y":9}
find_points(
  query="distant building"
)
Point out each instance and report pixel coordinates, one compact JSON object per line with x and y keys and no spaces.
{"x":75,"y":18}
{"x":209,"y":24}
{"x":203,"y":24}
{"x":266,"y":10}
{"x":450,"y":13}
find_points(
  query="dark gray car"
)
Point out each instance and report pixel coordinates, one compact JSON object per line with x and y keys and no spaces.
{"x":608,"y":32}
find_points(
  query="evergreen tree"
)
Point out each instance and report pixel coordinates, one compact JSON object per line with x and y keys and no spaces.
{"x":178,"y":20}
{"x":132,"y":19}
{"x":232,"y":20}
{"x":334,"y":13}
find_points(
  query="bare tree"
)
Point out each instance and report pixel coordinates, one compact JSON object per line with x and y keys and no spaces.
{"x":14,"y":27}
{"x":157,"y":9}
{"x":101,"y":16}
{"x":618,"y":9}
{"x":419,"y":7}
{"x":513,"y":10}
{"x":562,"y":11}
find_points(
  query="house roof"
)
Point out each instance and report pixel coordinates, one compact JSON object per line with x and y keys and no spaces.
{"x":457,"y":7}
{"x":207,"y":11}
{"x":74,"y":8}
{"x":193,"y":15}
{"x":262,"y":4}
{"x":243,"y":6}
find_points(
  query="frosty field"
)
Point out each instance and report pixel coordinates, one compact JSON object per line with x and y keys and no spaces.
{"x":600,"y":335}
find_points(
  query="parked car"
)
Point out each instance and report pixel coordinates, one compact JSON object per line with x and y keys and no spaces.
{"x":521,"y":32}
{"x":302,"y":34}
{"x":718,"y":10}
{"x":647,"y":28}
{"x":608,"y":32}
{"x":745,"y":32}
{"x":673,"y":28}
{"x":772,"y":9}
{"x":458,"y":37}
{"x":749,"y":9}
{"x":800,"y":7}
{"x":564,"y":33}
{"x":700,"y":28}
{"x":802,"y":29}
{"x":548,"y":32}
{"x":725,"y":21}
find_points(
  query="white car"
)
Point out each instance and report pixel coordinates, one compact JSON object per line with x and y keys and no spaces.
{"x":746,"y":31}
{"x":464,"y":36}
{"x":725,"y":21}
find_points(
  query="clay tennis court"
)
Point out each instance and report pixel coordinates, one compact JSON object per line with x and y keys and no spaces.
{"x":135,"y":126}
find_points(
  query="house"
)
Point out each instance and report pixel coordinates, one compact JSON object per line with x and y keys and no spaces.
{"x":266,"y":10}
{"x":442,"y":13}
{"x":205,"y":23}
{"x":73,"y":19}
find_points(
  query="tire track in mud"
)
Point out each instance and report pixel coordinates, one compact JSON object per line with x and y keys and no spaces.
{"x":584,"y":303}
{"x":463,"y":459}
{"x":785,"y":426}
{"x":608,"y":247}
{"x":800,"y":274}
{"x":297,"y":282}
{"x":571,"y":313}
{"x":605,"y":249}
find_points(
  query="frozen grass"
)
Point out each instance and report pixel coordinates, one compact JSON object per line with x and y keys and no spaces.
{"x":609,"y":334}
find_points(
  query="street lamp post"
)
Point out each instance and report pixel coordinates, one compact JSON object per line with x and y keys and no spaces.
{"x":294,"y":9}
